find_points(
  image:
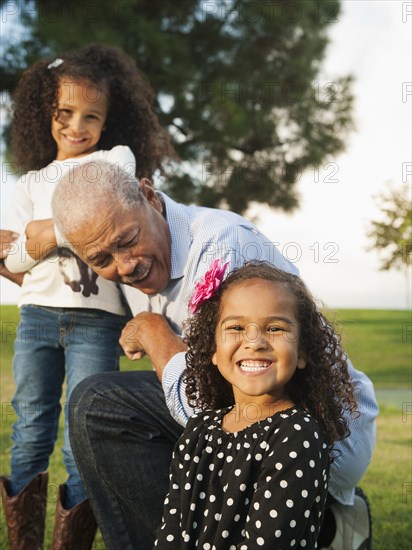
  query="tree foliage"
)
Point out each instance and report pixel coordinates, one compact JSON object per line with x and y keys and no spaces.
{"x":238,"y":84}
{"x":392,"y":234}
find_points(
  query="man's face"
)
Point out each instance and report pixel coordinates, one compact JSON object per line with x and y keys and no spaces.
{"x":128,"y":246}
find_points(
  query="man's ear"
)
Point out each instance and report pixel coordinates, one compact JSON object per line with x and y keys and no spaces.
{"x":146,"y":187}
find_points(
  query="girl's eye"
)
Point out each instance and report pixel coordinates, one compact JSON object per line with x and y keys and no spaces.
{"x":275,"y":329}
{"x":235,"y":327}
{"x":63,"y":115}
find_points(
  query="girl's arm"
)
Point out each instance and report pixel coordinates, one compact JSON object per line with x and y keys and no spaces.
{"x":19,"y":215}
{"x":36,"y":243}
{"x":13,"y":277}
{"x":291,"y":490}
{"x":7,"y":238}
{"x":41,"y":238}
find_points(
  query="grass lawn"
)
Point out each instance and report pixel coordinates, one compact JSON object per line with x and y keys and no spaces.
{"x":378,"y":342}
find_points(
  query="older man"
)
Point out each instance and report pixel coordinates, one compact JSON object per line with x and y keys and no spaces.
{"x":124,"y":425}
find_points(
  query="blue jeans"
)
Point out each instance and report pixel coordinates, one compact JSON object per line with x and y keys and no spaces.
{"x":52,"y":343}
{"x":123,"y":438}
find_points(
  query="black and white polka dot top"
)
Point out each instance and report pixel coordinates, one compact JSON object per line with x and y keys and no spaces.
{"x":260,"y":488}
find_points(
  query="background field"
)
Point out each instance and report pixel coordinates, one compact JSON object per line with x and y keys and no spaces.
{"x":378,"y":342}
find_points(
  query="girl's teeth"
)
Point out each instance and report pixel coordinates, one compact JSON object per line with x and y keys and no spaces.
{"x":253,"y":367}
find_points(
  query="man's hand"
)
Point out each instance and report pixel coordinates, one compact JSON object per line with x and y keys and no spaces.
{"x":7,"y":239}
{"x":150,"y":333}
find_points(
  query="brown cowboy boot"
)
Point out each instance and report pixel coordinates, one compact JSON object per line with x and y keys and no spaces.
{"x":25,"y":513}
{"x":74,"y":528}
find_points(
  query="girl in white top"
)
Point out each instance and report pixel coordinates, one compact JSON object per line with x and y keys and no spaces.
{"x":91,"y":103}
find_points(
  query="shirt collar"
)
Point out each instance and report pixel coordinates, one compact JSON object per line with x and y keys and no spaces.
{"x":177,"y":217}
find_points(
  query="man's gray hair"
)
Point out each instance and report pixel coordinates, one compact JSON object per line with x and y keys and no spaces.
{"x":88,"y":189}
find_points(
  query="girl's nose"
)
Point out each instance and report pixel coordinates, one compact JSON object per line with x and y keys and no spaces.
{"x":76,"y":124}
{"x":255,"y":337}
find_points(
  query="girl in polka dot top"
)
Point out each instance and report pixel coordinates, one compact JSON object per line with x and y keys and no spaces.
{"x":268,"y":374}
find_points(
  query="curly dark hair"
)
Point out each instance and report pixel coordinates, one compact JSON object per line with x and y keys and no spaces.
{"x":323,"y":387}
{"x":130,"y":119}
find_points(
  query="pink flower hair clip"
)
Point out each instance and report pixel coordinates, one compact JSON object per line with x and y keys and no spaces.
{"x":208,"y":284}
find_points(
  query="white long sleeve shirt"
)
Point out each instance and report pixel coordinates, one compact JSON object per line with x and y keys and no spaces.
{"x":60,"y":279}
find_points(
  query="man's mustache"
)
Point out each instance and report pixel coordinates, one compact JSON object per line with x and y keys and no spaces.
{"x":140,"y":272}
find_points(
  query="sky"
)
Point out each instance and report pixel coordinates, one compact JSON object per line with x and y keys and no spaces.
{"x":372,"y":42}
{"x":326,"y":236}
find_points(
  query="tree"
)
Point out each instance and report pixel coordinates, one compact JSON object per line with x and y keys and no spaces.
{"x":392,"y":235}
{"x":238,"y":84}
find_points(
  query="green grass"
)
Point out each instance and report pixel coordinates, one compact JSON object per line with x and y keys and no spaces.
{"x":377,"y":343}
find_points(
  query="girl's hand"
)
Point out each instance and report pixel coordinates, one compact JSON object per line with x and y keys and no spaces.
{"x":7,"y":239}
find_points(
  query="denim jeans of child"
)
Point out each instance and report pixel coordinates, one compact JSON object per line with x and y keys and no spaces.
{"x":53,"y":344}
{"x":123,"y":438}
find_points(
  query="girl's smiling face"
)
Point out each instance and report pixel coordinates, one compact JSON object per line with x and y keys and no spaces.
{"x":257,"y":340}
{"x":78,"y":123}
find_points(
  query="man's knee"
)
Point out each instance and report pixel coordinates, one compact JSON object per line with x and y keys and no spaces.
{"x":81,"y":398}
{"x":85,"y":389}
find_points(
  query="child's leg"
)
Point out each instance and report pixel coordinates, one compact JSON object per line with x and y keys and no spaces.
{"x":38,"y":366}
{"x":92,"y":346}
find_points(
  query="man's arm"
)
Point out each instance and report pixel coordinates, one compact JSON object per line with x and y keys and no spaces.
{"x":354,"y":453}
{"x":150,"y":334}
{"x":175,"y":389}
